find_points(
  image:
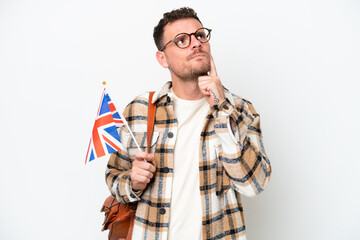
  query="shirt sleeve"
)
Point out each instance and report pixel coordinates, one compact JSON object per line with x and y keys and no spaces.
{"x":242,"y":153}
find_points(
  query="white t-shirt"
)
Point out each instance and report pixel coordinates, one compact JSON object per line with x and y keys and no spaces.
{"x":185,"y":209}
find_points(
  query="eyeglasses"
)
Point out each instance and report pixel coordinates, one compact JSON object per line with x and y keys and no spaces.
{"x":183,"y":40}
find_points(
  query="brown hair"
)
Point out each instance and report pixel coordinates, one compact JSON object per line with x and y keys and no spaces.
{"x":169,"y":17}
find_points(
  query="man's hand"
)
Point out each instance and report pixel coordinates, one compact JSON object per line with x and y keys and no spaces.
{"x":142,"y":172}
{"x":211,"y":86}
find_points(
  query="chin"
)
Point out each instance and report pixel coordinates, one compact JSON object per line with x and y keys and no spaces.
{"x":201,"y":71}
{"x":192,"y":72}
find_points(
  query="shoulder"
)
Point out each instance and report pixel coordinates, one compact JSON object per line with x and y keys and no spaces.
{"x":137,"y":108}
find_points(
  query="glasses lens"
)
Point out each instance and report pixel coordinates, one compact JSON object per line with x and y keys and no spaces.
{"x":203,"y":35}
{"x":182,"y":40}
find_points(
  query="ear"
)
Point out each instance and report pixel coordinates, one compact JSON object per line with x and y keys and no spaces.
{"x":161,"y":58}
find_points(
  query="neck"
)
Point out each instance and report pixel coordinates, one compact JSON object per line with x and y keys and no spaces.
{"x":186,"y":89}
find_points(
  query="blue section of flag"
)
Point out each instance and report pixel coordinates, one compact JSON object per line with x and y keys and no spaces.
{"x":105,"y":105}
{"x":92,"y":155}
{"x":113,"y":132}
{"x":116,"y":115}
{"x":109,"y":148}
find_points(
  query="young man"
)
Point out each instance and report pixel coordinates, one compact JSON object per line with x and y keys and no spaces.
{"x":206,"y":146}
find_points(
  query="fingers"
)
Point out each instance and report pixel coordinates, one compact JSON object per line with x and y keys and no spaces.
{"x":208,"y":83}
{"x":149,"y":157}
{"x":139,"y":162}
{"x":203,"y":85}
{"x":142,"y":172}
{"x":212,"y":89}
{"x":211,"y":86}
{"x":212,"y":72}
{"x":140,"y":177}
{"x":143,"y":176}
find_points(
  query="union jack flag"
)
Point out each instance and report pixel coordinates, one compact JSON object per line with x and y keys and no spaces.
{"x":105,"y":137}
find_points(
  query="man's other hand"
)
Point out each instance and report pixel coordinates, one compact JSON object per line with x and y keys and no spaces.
{"x":142,"y":171}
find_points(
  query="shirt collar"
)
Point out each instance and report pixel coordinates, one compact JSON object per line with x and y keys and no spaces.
{"x":162,"y":92}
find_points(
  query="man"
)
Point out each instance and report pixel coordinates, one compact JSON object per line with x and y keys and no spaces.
{"x":206,"y":147}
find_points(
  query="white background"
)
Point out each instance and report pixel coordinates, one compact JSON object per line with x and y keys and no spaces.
{"x":296,"y":61}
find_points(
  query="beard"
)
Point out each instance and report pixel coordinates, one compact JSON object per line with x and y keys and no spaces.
{"x":200,"y":68}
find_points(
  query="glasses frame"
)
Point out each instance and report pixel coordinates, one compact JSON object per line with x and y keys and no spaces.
{"x":189,"y":34}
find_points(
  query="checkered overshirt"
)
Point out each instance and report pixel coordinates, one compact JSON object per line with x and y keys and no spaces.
{"x":232,"y":163}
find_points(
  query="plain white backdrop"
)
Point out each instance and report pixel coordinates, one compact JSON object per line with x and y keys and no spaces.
{"x":296,"y":61}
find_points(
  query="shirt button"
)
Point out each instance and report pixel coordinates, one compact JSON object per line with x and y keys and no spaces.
{"x":166,"y":169}
{"x":170,"y":134}
{"x":162,"y":211}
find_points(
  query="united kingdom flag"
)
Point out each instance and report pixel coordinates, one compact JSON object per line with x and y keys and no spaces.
{"x":105,"y":137}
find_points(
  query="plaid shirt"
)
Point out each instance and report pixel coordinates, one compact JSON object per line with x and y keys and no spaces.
{"x":232,"y":162}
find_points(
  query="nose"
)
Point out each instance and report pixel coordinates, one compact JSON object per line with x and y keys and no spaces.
{"x":195,"y":43}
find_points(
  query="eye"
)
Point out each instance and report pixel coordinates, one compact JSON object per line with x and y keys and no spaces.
{"x":201,"y":35}
{"x":181,"y":40}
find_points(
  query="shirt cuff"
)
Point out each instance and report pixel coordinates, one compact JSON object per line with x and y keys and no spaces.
{"x":225,"y":106}
{"x":131,"y":193}
{"x":222,"y":114}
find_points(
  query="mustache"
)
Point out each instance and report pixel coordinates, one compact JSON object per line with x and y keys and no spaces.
{"x":195,"y":53}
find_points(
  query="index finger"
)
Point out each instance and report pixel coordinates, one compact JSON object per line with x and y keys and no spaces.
{"x":144,"y":156}
{"x":212,"y":67}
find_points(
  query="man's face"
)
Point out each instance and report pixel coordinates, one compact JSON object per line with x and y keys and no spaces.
{"x":191,"y":62}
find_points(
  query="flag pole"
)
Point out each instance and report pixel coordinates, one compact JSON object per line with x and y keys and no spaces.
{"x":125,"y":122}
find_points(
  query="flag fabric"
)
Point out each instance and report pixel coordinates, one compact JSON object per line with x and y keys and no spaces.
{"x":105,"y":136}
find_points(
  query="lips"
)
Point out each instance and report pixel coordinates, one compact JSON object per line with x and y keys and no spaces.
{"x":197,"y":55}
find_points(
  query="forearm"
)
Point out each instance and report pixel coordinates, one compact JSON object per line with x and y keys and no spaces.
{"x":241,"y":152}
